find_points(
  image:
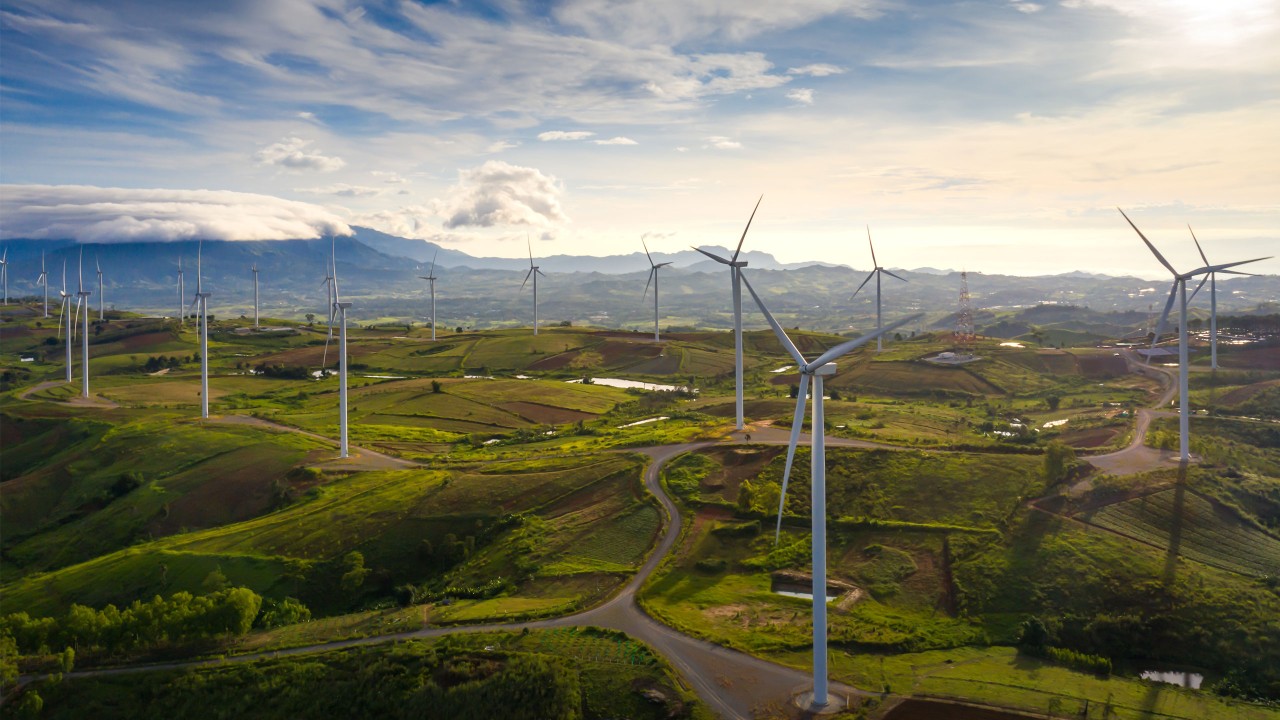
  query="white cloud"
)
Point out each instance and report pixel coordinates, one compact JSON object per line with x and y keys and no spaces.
{"x":816,"y":70}
{"x":564,"y":135}
{"x":1027,"y":7}
{"x":499,"y":193}
{"x":343,"y":190}
{"x":308,"y":116}
{"x":101,"y":215}
{"x":616,"y":141}
{"x":804,"y":96}
{"x":721,"y":142}
{"x":391,"y":178}
{"x":500,"y":145}
{"x":293,"y":153}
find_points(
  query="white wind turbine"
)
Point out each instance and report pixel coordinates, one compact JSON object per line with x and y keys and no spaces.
{"x":4,"y":274}
{"x":1179,"y":292}
{"x":66,"y":313}
{"x":1213,"y":299}
{"x":201,"y":304}
{"x":339,"y":309}
{"x":534,"y":272}
{"x":431,"y":278}
{"x":83,"y":296}
{"x":653,"y":278}
{"x":101,"y":304}
{"x":735,"y":275}
{"x":182,"y":294}
{"x":817,"y":370}
{"x":876,"y":273}
{"x":43,"y":280}
{"x":255,"y":295}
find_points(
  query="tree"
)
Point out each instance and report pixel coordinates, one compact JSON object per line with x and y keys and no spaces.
{"x":1053,"y":400}
{"x":1033,"y":634}
{"x":67,"y":660}
{"x":1059,"y":461}
{"x":355,"y":571}
{"x":436,"y":387}
{"x":745,"y":493}
{"x":311,"y":318}
{"x":214,"y":581}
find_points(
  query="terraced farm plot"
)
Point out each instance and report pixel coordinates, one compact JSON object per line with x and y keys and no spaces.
{"x":623,"y":540}
{"x":170,"y":392}
{"x":895,"y":378}
{"x":1199,"y":530}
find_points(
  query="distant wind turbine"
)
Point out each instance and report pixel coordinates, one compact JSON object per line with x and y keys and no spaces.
{"x":534,"y":272}
{"x":653,"y":278}
{"x":876,"y":273}
{"x":339,"y":309}
{"x":101,"y":304}
{"x":201,"y":305}
{"x":735,"y":276}
{"x":66,"y":313}
{"x":4,"y":274}
{"x":43,"y":280}
{"x":1212,"y":277}
{"x":1179,"y":292}
{"x":431,"y":278}
{"x":83,"y":296}
{"x":182,"y":294}
{"x":255,"y":295}
{"x":818,"y":369}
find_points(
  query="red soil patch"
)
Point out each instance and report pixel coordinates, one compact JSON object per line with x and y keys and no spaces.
{"x":916,"y":709}
{"x":555,"y":362}
{"x":1102,"y":366}
{"x":1246,"y":393}
{"x":241,"y":489}
{"x":614,"y":352}
{"x":737,"y":464}
{"x":1254,"y":359}
{"x":1096,"y":437}
{"x":145,"y":340}
{"x":544,"y":414}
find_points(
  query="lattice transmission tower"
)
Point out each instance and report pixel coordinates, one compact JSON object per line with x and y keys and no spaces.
{"x":964,"y":320}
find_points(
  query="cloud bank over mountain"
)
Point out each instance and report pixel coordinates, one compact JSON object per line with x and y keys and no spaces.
{"x":90,"y":214}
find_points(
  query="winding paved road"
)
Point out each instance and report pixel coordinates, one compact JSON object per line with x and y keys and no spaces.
{"x":1137,"y":457}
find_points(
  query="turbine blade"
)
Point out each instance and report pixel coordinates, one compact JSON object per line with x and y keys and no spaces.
{"x":886,"y":272}
{"x":1239,"y":272}
{"x":540,"y":272}
{"x":432,"y":271}
{"x":333,"y":259}
{"x":777,"y":329}
{"x":745,"y":229}
{"x":646,"y":250}
{"x":649,"y":282}
{"x":717,"y":258}
{"x":1224,"y":266}
{"x":845,"y":347}
{"x":1149,"y":245}
{"x":75,"y":323}
{"x":664,"y":264}
{"x":526,"y":279}
{"x":864,"y":284}
{"x":1173,"y":294}
{"x":1197,"y":242}
{"x":875,"y":263}
{"x":796,"y":423}
{"x":529,"y":243}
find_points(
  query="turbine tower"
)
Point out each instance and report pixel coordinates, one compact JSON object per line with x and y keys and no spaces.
{"x":66,"y":312}
{"x":339,"y":309}
{"x":1179,"y":292}
{"x":255,"y":295}
{"x":653,"y":278}
{"x":43,"y":280}
{"x":735,"y":276}
{"x":4,"y":274}
{"x":876,"y":273}
{"x":431,"y":278}
{"x":101,"y":305}
{"x":534,"y":272}
{"x":1213,"y":299}
{"x":201,"y":304}
{"x":83,"y":296}
{"x":817,"y":370}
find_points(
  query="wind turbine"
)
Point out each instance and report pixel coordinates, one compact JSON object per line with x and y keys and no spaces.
{"x":1179,"y":292}
{"x":182,"y":294}
{"x":101,"y":305}
{"x":66,"y":312}
{"x":201,"y":303}
{"x":817,"y":370}
{"x":1213,"y":299}
{"x":4,"y":274}
{"x":83,"y":296}
{"x":339,"y":309}
{"x":653,"y":278}
{"x":255,"y":295}
{"x":534,"y":272}
{"x":430,"y":277}
{"x":44,"y":281}
{"x":735,"y":275}
{"x":876,"y":273}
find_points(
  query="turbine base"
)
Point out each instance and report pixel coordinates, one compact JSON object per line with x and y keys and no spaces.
{"x":836,"y":703}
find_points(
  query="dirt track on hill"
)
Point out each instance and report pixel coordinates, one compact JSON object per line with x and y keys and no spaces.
{"x":1137,"y":457}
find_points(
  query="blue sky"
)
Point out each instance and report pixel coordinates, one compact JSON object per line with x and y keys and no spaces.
{"x":996,"y":136}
